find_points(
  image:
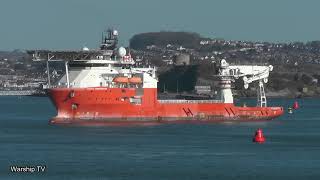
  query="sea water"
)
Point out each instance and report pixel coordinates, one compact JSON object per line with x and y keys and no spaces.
{"x":33,"y":149}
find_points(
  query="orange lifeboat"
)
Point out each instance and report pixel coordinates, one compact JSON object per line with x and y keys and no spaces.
{"x":135,"y":80}
{"x":120,"y":80}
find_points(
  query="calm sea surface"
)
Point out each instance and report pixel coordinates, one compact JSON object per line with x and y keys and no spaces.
{"x":213,"y":151}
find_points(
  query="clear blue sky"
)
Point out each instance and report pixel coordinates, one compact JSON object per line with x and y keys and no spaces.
{"x":70,"y":24}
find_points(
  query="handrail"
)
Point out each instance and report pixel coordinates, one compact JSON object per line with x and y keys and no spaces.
{"x":173,"y":101}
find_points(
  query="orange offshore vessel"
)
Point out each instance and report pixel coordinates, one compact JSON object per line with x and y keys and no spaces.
{"x":104,"y":87}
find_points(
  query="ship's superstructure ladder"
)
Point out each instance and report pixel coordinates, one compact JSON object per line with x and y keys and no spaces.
{"x":262,"y":99}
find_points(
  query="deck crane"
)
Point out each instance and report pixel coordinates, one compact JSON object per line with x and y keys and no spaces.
{"x":248,"y":73}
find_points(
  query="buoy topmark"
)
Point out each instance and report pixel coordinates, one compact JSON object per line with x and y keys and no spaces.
{"x":258,"y":137}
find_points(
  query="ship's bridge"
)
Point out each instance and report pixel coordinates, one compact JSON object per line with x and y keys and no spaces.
{"x":95,"y":68}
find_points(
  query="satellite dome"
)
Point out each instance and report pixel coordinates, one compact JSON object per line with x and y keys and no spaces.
{"x":85,"y":48}
{"x":115,"y":33}
{"x":122,"y":51}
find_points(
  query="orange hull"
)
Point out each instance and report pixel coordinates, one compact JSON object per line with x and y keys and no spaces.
{"x":112,"y":106}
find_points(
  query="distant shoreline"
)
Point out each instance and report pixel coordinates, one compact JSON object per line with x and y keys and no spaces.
{"x":17,"y":93}
{"x":21,"y":93}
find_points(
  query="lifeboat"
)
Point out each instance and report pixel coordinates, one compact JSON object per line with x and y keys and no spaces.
{"x":120,"y":80}
{"x":135,"y":80}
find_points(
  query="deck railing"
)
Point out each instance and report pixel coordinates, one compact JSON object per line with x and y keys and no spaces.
{"x":176,"y":101}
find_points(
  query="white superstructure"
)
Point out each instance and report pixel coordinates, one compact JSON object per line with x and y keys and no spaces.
{"x":99,"y":68}
{"x":102,"y":73}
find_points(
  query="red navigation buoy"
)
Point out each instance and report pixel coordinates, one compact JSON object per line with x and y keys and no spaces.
{"x":258,"y":137}
{"x":295,"y":105}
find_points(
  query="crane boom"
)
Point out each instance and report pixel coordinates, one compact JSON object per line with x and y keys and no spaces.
{"x":249,"y":74}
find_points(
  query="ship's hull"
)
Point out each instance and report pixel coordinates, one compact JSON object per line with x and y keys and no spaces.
{"x":112,"y":106}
